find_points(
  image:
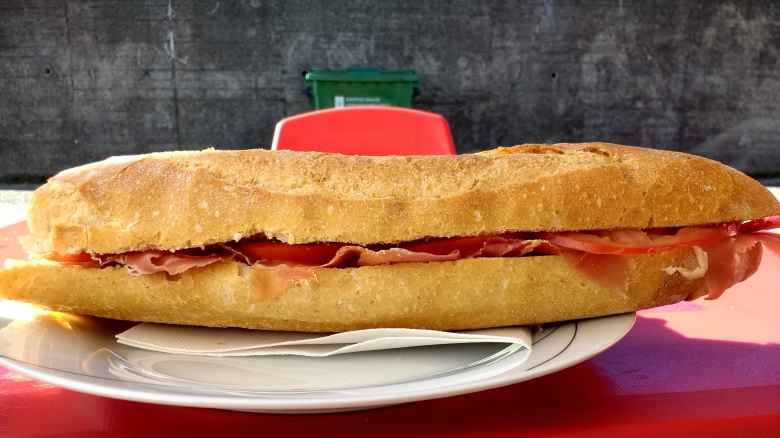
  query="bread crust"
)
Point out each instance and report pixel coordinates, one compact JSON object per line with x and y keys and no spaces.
{"x":190,"y":199}
{"x":458,"y":295}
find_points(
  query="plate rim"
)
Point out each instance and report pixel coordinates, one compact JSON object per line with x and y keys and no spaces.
{"x":138,"y":392}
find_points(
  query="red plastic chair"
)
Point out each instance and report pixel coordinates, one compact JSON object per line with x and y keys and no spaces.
{"x":366,"y":130}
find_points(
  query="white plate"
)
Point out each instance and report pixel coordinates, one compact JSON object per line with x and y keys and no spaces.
{"x":80,"y":354}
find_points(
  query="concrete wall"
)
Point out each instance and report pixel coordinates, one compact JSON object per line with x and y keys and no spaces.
{"x":81,"y":80}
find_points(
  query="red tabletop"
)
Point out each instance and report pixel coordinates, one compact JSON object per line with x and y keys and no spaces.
{"x":705,"y":367}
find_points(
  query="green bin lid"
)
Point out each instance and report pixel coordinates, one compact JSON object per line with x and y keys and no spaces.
{"x":362,"y":75}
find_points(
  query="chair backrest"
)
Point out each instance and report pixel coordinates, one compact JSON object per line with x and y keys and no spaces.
{"x":366,"y":130}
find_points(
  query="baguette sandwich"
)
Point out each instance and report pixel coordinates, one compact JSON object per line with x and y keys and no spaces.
{"x":317,"y":242}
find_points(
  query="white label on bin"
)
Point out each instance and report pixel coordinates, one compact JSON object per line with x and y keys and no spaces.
{"x":340,"y":101}
{"x":361,"y":100}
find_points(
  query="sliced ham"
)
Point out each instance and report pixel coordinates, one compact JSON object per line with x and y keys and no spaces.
{"x":721,"y":272}
{"x":608,"y":270}
{"x":627,"y":242}
{"x":151,"y":262}
{"x":731,"y":261}
{"x":733,"y":253}
{"x":500,"y":247}
{"x":770,"y":241}
{"x":748,"y":254}
{"x":359,"y":256}
{"x":490,"y":247}
{"x":474,"y":246}
{"x":759,"y":224}
{"x":702,"y":266}
{"x":270,"y":281}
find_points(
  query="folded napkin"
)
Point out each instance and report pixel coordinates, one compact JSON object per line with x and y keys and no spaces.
{"x":229,"y":342}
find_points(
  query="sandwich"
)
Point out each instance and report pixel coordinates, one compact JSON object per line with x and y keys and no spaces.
{"x":316,"y":242}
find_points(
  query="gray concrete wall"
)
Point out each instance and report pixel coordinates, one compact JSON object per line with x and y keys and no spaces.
{"x":81,"y":80}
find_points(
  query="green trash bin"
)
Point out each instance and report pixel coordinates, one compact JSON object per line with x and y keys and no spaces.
{"x":361,"y":86}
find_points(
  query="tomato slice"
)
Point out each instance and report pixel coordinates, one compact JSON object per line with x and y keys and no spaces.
{"x":638,"y":242}
{"x":313,"y":254}
{"x":81,"y":257}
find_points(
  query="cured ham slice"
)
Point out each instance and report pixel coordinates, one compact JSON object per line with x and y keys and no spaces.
{"x":731,"y":261}
{"x":606,"y":269}
{"x":727,"y":253}
{"x":359,"y":256}
{"x":626,"y":242}
{"x":151,"y":262}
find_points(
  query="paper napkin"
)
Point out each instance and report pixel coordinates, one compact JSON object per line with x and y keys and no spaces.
{"x":227,"y":342}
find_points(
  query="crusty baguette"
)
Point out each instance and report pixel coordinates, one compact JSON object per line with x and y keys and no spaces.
{"x":189,"y":199}
{"x":464,"y":294}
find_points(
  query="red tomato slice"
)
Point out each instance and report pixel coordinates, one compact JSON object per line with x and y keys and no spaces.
{"x":81,"y":257}
{"x":633,"y":242}
{"x":313,"y":254}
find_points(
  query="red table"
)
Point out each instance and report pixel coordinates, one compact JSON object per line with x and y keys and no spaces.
{"x":708,"y":368}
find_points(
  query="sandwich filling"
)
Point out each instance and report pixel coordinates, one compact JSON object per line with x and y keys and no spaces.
{"x":725,"y":253}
